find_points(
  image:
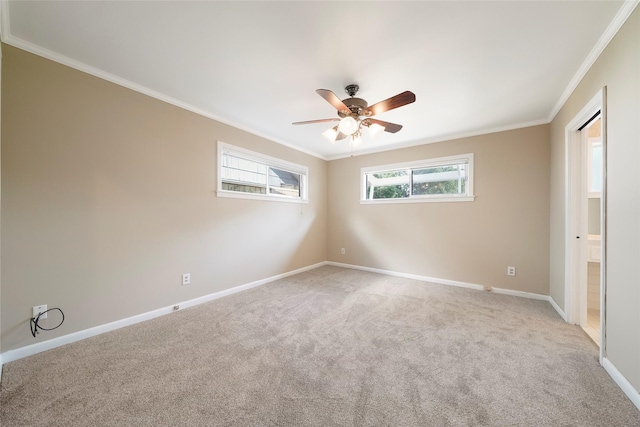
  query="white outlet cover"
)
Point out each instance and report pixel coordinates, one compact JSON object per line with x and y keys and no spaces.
{"x":40,"y":309}
{"x":186,"y":278}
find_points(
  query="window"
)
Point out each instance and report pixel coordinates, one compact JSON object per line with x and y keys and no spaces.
{"x":445,"y":179}
{"x":247,"y":174}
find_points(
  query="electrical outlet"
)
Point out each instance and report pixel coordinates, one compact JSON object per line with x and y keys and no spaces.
{"x":186,"y":279}
{"x":40,"y":309}
{"x":343,"y":251}
{"x":511,"y":271}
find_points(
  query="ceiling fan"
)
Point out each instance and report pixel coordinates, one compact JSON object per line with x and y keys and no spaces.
{"x":354,"y":113}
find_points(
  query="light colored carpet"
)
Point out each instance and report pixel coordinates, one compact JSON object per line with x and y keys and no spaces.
{"x":330,"y":346}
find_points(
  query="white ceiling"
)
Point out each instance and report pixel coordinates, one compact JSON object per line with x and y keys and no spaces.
{"x":474,"y":66}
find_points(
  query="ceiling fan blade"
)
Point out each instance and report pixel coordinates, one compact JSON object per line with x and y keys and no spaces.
{"x":388,"y":126}
{"x":399,"y":100}
{"x":332,"y":99}
{"x":316,"y":121}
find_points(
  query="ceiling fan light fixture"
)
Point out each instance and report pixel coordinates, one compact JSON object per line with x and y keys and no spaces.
{"x":375,"y":130}
{"x":348,"y":125}
{"x":356,"y":139}
{"x":331,"y":134}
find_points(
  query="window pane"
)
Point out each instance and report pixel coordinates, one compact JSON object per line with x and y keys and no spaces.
{"x":284,"y":183}
{"x":388,"y":185}
{"x":246,"y":174}
{"x":243,"y":175}
{"x":448,"y":179}
{"x":441,"y":179}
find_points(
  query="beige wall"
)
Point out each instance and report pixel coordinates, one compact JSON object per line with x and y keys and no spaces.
{"x":108,"y":196}
{"x":618,"y":68}
{"x":474,"y":242}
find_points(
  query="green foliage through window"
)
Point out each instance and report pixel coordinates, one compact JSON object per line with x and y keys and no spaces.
{"x":391,"y":191}
{"x":422,"y":181}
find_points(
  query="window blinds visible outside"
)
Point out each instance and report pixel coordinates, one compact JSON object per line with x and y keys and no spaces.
{"x":250,"y":173}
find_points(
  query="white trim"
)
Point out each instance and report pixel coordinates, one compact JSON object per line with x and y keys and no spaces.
{"x":5,"y":30}
{"x":436,"y":161}
{"x":604,"y":134}
{"x":263,"y":197}
{"x":268,"y":161}
{"x":440,"y":138}
{"x":622,"y":382}
{"x":557,"y":308}
{"x":417,"y":199}
{"x":61,"y":59}
{"x":30,"y":350}
{"x":20,"y":353}
{"x":447,"y":282}
{"x":569,"y":239}
{"x":576,"y":219}
{"x":261,"y":158}
{"x":614,"y":26}
{"x":571,"y":223}
{"x":583,"y":209}
{"x":421,"y":164}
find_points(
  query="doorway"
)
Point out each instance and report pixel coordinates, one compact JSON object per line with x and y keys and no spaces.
{"x":585,"y":220}
{"x":592,"y":168}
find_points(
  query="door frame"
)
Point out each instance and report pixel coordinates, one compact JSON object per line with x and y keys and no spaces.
{"x":576,"y":218}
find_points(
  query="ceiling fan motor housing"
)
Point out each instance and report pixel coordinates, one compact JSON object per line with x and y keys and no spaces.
{"x":356,"y":105}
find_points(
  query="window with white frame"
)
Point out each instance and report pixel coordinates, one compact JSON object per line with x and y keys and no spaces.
{"x":442,"y":179}
{"x":247,"y":174}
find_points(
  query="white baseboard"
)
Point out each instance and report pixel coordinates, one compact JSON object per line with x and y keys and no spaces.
{"x":448,"y":282}
{"x":622,"y":382}
{"x":29,"y":350}
{"x":22,"y":352}
{"x":613,"y":372}
{"x":557,"y":308}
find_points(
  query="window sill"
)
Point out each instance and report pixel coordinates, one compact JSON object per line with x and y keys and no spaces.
{"x":264,"y":197}
{"x":419,"y":200}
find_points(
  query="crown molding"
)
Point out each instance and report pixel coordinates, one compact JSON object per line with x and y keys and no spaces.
{"x":96,"y":72}
{"x":615,"y":25}
{"x":4,"y":19}
{"x":613,"y":28}
{"x":442,"y":138}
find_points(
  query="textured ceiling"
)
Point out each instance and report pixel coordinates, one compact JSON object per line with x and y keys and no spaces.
{"x":474,"y":66}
